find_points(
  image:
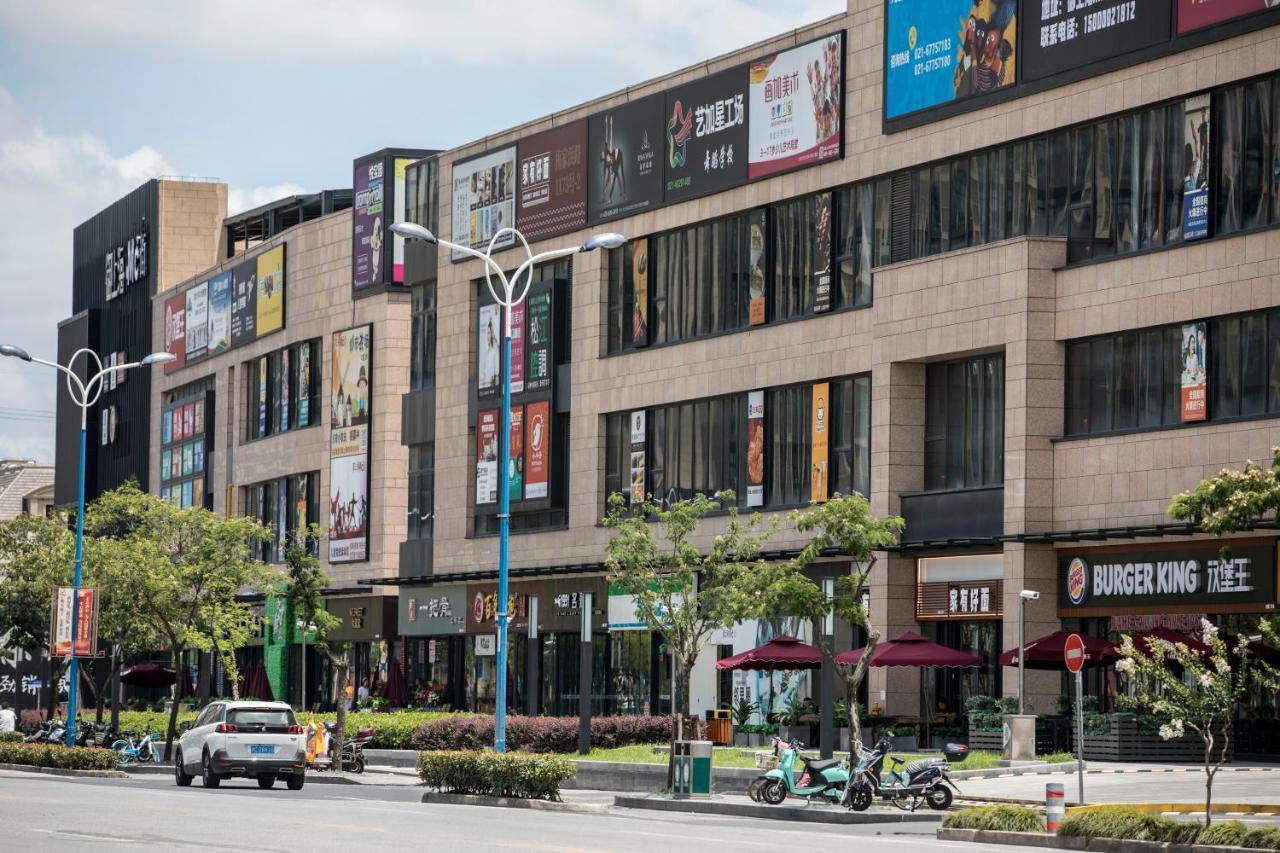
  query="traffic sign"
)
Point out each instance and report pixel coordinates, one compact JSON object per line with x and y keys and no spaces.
{"x":1073,"y":652}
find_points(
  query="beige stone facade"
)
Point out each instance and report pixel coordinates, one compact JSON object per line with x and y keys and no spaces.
{"x":1018,"y":297}
{"x":318,"y":302}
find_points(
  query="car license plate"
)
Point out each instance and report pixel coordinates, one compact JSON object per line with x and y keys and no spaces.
{"x":262,"y":749}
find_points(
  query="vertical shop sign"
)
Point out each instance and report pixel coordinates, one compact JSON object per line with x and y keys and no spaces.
{"x":175,"y":331}
{"x":349,"y":421}
{"x":1195,"y":182}
{"x":515,"y":471}
{"x":637,"y":458}
{"x":517,"y":348}
{"x":1194,"y":398}
{"x":489,"y":350}
{"x":197,"y":320}
{"x":755,"y":448}
{"x":537,"y":449}
{"x":755,"y":229}
{"x":820,"y":438}
{"x":220,"y":313}
{"x":640,"y":292}
{"x":244,"y":303}
{"x":366,"y":223}
{"x":487,"y":457}
{"x":538,"y":328}
{"x":822,"y":253}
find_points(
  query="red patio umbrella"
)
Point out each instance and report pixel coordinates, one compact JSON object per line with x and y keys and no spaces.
{"x":1047,"y":652}
{"x":911,"y":649}
{"x":786,"y":653}
{"x":394,"y":690}
{"x":260,"y":685}
{"x":1142,"y":640}
{"x":148,"y":675}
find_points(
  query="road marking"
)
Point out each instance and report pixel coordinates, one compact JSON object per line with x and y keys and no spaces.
{"x":14,"y":798}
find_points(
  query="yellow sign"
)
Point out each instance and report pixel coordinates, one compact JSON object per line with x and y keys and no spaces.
{"x":820,"y":428}
{"x":270,"y":291}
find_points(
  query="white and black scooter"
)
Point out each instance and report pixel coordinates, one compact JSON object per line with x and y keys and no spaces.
{"x":905,"y":785}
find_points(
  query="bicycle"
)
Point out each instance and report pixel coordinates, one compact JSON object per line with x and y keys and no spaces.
{"x":129,"y":751}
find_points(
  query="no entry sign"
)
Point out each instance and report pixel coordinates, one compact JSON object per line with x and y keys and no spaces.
{"x":1073,"y":652}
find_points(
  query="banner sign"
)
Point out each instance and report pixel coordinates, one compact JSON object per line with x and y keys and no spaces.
{"x":755,"y":448}
{"x":706,"y":135}
{"x":624,"y":159}
{"x":76,"y":637}
{"x":819,"y":441}
{"x":517,"y":348}
{"x":433,"y":611}
{"x":1195,"y":574}
{"x":487,"y":457}
{"x":175,"y":331}
{"x":1197,"y":14}
{"x":197,"y":340}
{"x":637,"y":458}
{"x":515,"y":465}
{"x":269,"y":309}
{"x":489,"y":350}
{"x":1066,"y":34}
{"x":349,"y":420}
{"x":553,"y":181}
{"x":244,"y":303}
{"x":400,"y":204}
{"x":219,"y":313}
{"x":538,"y":334}
{"x":484,"y":200}
{"x":640,"y":292}
{"x":367,"y":209}
{"x":821,"y":253}
{"x":1195,"y":187}
{"x":939,"y":51}
{"x":756,"y":226}
{"x":1194,"y":357}
{"x":537,"y":449}
{"x":796,"y":107}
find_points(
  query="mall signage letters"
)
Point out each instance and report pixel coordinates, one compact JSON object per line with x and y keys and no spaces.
{"x":125,"y":264}
{"x":1195,"y":574}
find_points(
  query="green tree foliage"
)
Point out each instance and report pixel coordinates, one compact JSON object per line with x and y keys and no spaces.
{"x":845,"y":526}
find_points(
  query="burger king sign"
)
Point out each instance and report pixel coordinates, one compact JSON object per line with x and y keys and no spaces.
{"x":1077,"y":580}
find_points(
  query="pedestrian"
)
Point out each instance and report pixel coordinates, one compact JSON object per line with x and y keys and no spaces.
{"x":349,"y":692}
{"x":8,"y":719}
{"x":362,"y":695}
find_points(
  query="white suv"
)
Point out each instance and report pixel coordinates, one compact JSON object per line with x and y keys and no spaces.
{"x":260,"y":740}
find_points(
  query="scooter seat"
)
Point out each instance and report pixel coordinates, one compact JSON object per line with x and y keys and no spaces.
{"x":817,"y":766}
{"x":916,"y":766}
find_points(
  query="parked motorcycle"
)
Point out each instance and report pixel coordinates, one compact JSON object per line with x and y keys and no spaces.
{"x":352,"y":748}
{"x":823,"y":780}
{"x":41,"y":733}
{"x":905,"y":785}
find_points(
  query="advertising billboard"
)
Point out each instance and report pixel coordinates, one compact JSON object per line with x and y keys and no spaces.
{"x":175,"y":331}
{"x":755,"y":448}
{"x":349,"y":416}
{"x":197,"y":320}
{"x":400,"y":204}
{"x":1063,"y":35}
{"x":1197,"y":14}
{"x":637,"y":458}
{"x":1195,"y":181}
{"x":537,"y":449}
{"x":706,"y":135}
{"x":220,"y":313}
{"x":820,"y":433}
{"x":517,"y":348}
{"x":515,"y":442}
{"x":640,"y":292}
{"x":489,"y":350}
{"x":269,"y":309}
{"x":487,"y":457}
{"x":537,"y":375}
{"x":244,"y":303}
{"x":1194,"y":358}
{"x":367,"y":220}
{"x":821,"y":253}
{"x":756,"y":226}
{"x":625,"y":156}
{"x":551,"y":169}
{"x":939,"y":51}
{"x":484,"y":199}
{"x":796,"y":107}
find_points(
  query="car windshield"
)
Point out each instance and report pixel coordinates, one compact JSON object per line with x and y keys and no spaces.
{"x":261,"y":719}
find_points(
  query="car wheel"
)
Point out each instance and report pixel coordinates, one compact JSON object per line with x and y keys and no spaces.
{"x":180,"y":775}
{"x":939,"y":798}
{"x":207,"y":777}
{"x":266,"y":780}
{"x":296,"y":781}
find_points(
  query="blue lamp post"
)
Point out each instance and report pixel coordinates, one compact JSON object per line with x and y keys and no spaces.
{"x":513,"y":292}
{"x":84,"y":395}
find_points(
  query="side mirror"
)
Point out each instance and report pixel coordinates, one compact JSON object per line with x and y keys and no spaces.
{"x":182,"y":727}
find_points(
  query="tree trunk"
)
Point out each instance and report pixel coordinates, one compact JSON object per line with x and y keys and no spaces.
{"x":1208,"y":772}
{"x":340,"y":668}
{"x":175,"y":657}
{"x":56,"y":667}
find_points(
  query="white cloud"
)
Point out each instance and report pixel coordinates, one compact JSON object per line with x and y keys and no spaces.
{"x":50,"y":183}
{"x":240,"y":200}
{"x":640,"y":37}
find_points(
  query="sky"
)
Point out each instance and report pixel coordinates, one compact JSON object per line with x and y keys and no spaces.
{"x":276,"y":97}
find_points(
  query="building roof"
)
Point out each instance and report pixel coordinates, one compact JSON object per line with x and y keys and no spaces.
{"x":19,"y":478}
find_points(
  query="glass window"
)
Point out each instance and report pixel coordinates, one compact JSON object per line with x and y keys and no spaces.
{"x":884,"y":221}
{"x":1078,"y":388}
{"x":421,"y":490}
{"x":960,"y":203}
{"x":978,"y":199}
{"x":1038,"y":186}
{"x":850,"y":445}
{"x":940,"y":209}
{"x":1255,"y":182}
{"x":964,"y":423}
{"x":853,"y":252}
{"x":1151,"y":364}
{"x":1127,"y":166}
{"x":1224,"y":375}
{"x":1253,"y":364}
{"x":422,"y":365}
{"x":1020,"y":179}
{"x":1102,"y":383}
{"x":1125,"y":413}
{"x":1153,"y":169}
{"x":1104,"y":189}
{"x":921,"y":188}
{"x":1228,"y":106}
{"x":1062,"y":167}
{"x":998,"y":175}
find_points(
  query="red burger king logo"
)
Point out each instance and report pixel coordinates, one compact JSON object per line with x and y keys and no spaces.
{"x":1077,"y":580}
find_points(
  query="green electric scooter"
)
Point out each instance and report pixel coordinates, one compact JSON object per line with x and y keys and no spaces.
{"x":823,"y":780}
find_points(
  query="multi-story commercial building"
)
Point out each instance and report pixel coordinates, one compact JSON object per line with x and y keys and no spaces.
{"x":1013,"y":279}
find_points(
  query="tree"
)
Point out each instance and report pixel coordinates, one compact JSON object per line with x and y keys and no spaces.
{"x":188,"y":568}
{"x":663,"y":580}
{"x":121,"y":627}
{"x":1205,"y":698}
{"x":845,"y":526}
{"x":37,"y":555}
{"x":304,"y":593}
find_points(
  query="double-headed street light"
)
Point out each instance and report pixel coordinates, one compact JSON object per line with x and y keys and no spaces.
{"x":84,"y":395}
{"x":513,"y":293}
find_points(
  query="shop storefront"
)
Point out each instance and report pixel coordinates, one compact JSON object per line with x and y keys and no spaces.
{"x":432,"y":622}
{"x":368,"y":622}
{"x":959,"y":604}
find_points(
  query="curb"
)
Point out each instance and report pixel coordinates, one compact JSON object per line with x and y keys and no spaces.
{"x":436,"y":798}
{"x":1184,"y":808}
{"x":61,"y":771}
{"x":1097,"y":845}
{"x":798,"y":814}
{"x":1040,"y":769}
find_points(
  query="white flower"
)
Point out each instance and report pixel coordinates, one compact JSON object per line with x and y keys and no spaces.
{"x":1127,"y":666}
{"x":1206,"y":680}
{"x":1208,"y":630}
{"x":1220,"y":664}
{"x":1171,"y":730}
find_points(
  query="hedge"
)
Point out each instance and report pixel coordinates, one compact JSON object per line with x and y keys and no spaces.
{"x":1128,"y":824}
{"x":1228,"y":833}
{"x":540,"y":734}
{"x":55,"y":755}
{"x":11,"y":737}
{"x":508,"y":774}
{"x":998,"y":818}
{"x":392,"y":730}
{"x":1262,"y":839}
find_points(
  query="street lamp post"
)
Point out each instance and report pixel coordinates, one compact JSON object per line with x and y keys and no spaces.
{"x":84,"y":395}
{"x":513,"y":293}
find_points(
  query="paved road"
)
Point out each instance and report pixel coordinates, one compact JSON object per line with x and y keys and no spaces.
{"x":48,"y":813}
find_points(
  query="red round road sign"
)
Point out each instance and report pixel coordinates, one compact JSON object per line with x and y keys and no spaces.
{"x":1073,"y":652}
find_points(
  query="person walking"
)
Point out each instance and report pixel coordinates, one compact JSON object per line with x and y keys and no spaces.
{"x":8,"y":719}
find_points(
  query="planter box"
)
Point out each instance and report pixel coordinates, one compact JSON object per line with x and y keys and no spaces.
{"x":987,"y":741}
{"x":904,"y":743}
{"x":750,"y":739}
{"x":1123,"y":743}
{"x":800,"y":733}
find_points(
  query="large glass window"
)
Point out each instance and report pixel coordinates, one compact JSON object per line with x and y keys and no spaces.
{"x":282,"y":390}
{"x":421,"y":490}
{"x":964,"y":423}
{"x":422,"y":344}
{"x":283,"y":506}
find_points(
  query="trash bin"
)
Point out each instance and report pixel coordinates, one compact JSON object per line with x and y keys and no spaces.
{"x":691,"y":768}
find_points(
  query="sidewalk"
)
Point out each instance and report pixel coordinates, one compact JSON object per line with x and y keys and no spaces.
{"x":1113,"y":782}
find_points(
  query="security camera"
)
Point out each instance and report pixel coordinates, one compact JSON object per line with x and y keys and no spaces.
{"x":1029,"y":595}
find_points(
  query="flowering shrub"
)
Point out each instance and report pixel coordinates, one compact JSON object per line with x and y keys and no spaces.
{"x":540,"y":734}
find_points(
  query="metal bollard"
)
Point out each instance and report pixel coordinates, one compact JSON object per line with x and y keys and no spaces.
{"x":1055,"y":806}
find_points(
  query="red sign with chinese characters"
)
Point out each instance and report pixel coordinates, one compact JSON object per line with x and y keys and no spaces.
{"x":79,"y":632}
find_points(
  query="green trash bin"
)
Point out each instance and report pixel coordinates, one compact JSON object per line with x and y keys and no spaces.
{"x":691,"y":768}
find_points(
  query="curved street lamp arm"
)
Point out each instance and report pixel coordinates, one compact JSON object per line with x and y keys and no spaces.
{"x":541,"y":257}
